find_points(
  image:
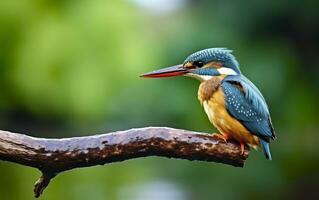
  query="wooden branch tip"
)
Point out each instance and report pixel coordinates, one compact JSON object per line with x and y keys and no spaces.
{"x":53,"y":156}
{"x":42,"y":183}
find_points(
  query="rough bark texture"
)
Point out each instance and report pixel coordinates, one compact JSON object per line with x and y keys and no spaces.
{"x":52,"y":156}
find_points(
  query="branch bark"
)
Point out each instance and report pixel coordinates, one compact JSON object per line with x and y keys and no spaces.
{"x":53,"y":156}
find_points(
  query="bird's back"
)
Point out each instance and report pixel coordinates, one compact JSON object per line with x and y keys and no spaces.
{"x":251,"y":108}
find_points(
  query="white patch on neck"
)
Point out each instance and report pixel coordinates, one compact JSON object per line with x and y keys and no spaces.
{"x":226,"y":71}
{"x":199,"y":77}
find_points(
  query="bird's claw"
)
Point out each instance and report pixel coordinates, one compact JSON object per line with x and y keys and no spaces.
{"x":221,"y":136}
{"x":242,"y":148}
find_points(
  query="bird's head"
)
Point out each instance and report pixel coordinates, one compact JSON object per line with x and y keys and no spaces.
{"x":202,"y":65}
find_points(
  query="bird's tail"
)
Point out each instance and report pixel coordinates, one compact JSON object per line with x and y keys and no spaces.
{"x":265,"y":146}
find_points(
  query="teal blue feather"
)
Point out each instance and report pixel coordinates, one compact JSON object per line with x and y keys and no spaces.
{"x":249,"y":107}
{"x":266,"y":150}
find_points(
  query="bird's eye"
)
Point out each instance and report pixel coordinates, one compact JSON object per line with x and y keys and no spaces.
{"x":198,"y":63}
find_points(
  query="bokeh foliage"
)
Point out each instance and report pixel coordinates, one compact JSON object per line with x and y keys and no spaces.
{"x":71,"y":68}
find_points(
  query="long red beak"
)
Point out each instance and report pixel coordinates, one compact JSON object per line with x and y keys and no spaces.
{"x":176,"y":70}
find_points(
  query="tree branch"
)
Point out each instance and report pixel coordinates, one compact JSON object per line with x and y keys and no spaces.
{"x":53,"y":156}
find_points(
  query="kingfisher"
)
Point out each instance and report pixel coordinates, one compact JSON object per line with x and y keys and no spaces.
{"x":233,"y":104}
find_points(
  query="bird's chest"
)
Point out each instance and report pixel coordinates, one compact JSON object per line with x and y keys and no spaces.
{"x":216,"y":110}
{"x":208,"y":88}
{"x":211,"y":96}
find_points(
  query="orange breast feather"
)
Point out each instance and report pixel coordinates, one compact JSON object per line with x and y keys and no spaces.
{"x":212,"y":98}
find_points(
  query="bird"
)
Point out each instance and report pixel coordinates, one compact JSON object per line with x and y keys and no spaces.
{"x":233,"y":104}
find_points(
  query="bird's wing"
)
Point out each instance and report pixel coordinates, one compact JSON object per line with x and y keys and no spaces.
{"x":245,"y":103}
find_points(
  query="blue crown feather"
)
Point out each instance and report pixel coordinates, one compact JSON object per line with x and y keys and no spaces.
{"x":222,"y":55}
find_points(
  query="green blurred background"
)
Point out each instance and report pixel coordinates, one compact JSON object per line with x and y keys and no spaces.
{"x":70,"y":68}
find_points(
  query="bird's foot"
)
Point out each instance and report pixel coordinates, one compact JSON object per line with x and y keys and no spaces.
{"x":222,"y":136}
{"x":242,"y":148}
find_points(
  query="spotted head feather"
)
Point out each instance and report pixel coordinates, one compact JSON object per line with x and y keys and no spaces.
{"x":222,"y":55}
